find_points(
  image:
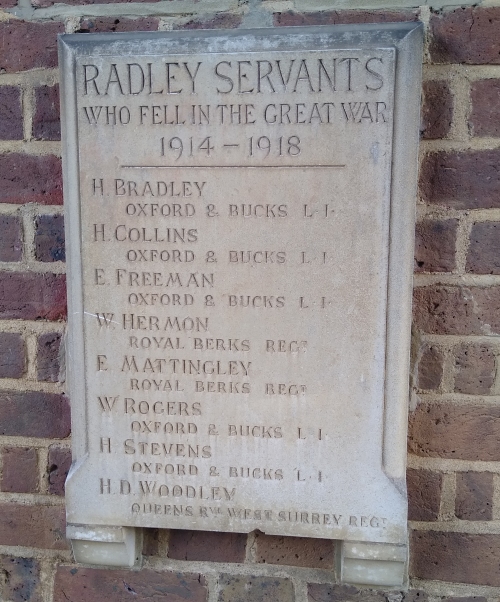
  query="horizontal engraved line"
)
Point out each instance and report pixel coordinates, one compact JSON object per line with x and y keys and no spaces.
{"x":232,"y":166}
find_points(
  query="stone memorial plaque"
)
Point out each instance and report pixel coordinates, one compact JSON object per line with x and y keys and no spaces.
{"x":239,"y":214}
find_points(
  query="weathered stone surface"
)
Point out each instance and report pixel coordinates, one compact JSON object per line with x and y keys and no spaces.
{"x":89,"y":585}
{"x":234,"y":588}
{"x":215,"y":298}
{"x":474,"y":497}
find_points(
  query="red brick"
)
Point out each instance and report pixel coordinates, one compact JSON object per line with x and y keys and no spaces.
{"x":462,"y":180}
{"x":59,"y":463}
{"x":294,"y":551}
{"x":466,"y":35}
{"x":151,"y":541}
{"x":244,"y":588}
{"x":474,"y":369}
{"x":46,"y":120}
{"x":430,"y":368}
{"x":344,"y":17}
{"x":435,"y":242}
{"x":31,"y":296}
{"x":11,"y":113}
{"x":25,"y":45}
{"x":484,"y":118}
{"x":48,"y":357}
{"x":457,"y":309}
{"x":11,"y":243}
{"x":324,"y":592}
{"x":12,"y":355}
{"x":455,"y":431}
{"x":49,"y":238}
{"x":221,"y":21}
{"x":20,"y":580}
{"x":34,"y":414}
{"x":46,"y":3}
{"x":103,"y":24}
{"x":20,"y":470}
{"x":30,"y":179}
{"x":437,"y":110}
{"x":33,"y":526}
{"x":424,"y":494}
{"x":77,"y":584}
{"x":455,"y":557}
{"x":207,"y":545}
{"x":483,"y":256}
{"x":474,"y":497}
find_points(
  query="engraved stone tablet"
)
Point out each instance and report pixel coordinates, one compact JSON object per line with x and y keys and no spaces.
{"x":239,"y":213}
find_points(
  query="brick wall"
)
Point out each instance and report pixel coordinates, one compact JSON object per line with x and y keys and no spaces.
{"x":454,"y":433}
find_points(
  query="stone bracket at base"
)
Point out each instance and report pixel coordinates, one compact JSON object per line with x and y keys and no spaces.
{"x":367,"y":563}
{"x":105,"y":546}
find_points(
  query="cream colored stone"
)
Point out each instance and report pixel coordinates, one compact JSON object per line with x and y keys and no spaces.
{"x":240,"y":222}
